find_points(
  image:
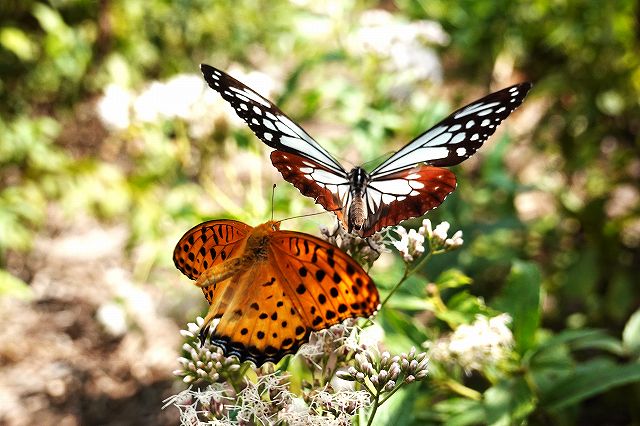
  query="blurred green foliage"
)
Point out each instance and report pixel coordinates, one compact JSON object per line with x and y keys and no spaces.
{"x":568,"y":274}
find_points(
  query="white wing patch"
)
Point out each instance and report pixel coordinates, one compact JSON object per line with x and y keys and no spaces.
{"x":251,"y":95}
{"x":394,"y":186}
{"x":476,"y":109}
{"x":458,"y":136}
{"x":266,"y":120}
{"x":410,"y":160}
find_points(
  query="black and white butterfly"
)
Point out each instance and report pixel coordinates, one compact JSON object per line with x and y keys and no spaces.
{"x":408,"y":184}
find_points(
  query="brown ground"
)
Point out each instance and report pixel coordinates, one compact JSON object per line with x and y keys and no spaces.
{"x":60,"y":363}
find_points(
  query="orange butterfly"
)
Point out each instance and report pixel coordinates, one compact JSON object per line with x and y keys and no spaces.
{"x":271,"y":288}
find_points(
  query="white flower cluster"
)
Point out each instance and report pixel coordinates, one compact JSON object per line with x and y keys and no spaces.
{"x":325,"y":342}
{"x":203,"y":361}
{"x":402,"y":45}
{"x":264,"y":399}
{"x":385,"y":373}
{"x":485,"y":342}
{"x":183,"y":97}
{"x":197,"y":404}
{"x":411,"y":243}
{"x":438,"y":236}
{"x":365,"y":251}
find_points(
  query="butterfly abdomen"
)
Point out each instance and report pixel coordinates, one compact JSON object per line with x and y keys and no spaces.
{"x":356,"y":215}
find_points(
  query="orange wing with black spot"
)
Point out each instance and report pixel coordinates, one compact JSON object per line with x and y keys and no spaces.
{"x":261,"y":323}
{"x":209,"y":244}
{"x":326,"y":285}
{"x":274,"y":288}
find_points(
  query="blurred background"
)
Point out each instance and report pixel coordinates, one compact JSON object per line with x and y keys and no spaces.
{"x":112,"y":146}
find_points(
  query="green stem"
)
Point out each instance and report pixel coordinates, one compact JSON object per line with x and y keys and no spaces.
{"x":408,"y":271}
{"x":375,"y":408}
{"x":461,"y":389}
{"x":391,"y":393}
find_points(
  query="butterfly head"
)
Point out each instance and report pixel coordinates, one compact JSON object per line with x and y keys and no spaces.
{"x":266,"y":228}
{"x":358,"y":179}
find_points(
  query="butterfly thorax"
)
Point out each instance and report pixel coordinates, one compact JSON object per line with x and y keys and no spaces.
{"x":258,"y":241}
{"x":356,"y":214}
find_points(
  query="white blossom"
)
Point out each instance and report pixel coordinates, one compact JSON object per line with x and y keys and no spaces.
{"x":114,"y":107}
{"x":410,"y":245}
{"x":438,"y":237}
{"x":403,"y":45}
{"x":485,"y":342}
{"x":113,"y":318}
{"x":190,"y":404}
{"x":254,"y":405}
{"x":440,"y":232}
{"x":426,"y":228}
{"x":455,"y":241}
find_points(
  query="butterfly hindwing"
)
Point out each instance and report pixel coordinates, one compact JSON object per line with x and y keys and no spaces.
{"x":266,"y":120}
{"x":328,"y":189}
{"x":260,"y":323}
{"x":405,"y":194}
{"x":458,"y":136}
{"x":326,"y":285}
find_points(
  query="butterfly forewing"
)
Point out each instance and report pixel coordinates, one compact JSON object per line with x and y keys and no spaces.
{"x":405,"y":194}
{"x":266,"y":120}
{"x":207,"y":245}
{"x":326,"y":285}
{"x":458,"y":136}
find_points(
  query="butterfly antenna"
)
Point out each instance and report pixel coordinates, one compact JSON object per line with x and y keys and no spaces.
{"x":273,"y":194}
{"x":307,"y":215}
{"x":377,"y":159}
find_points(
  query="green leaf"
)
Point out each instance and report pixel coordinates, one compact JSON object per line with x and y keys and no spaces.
{"x":590,"y":379}
{"x":461,"y":412}
{"x":398,"y":410}
{"x":508,"y":401}
{"x":402,"y":331}
{"x":576,"y":339}
{"x":521,"y":299}
{"x":409,"y":302}
{"x":452,"y":278}
{"x":12,"y":286}
{"x":631,"y":334}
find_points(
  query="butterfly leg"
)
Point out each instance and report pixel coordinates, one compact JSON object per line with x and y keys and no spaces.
{"x":219,"y":273}
{"x":373,"y":247}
